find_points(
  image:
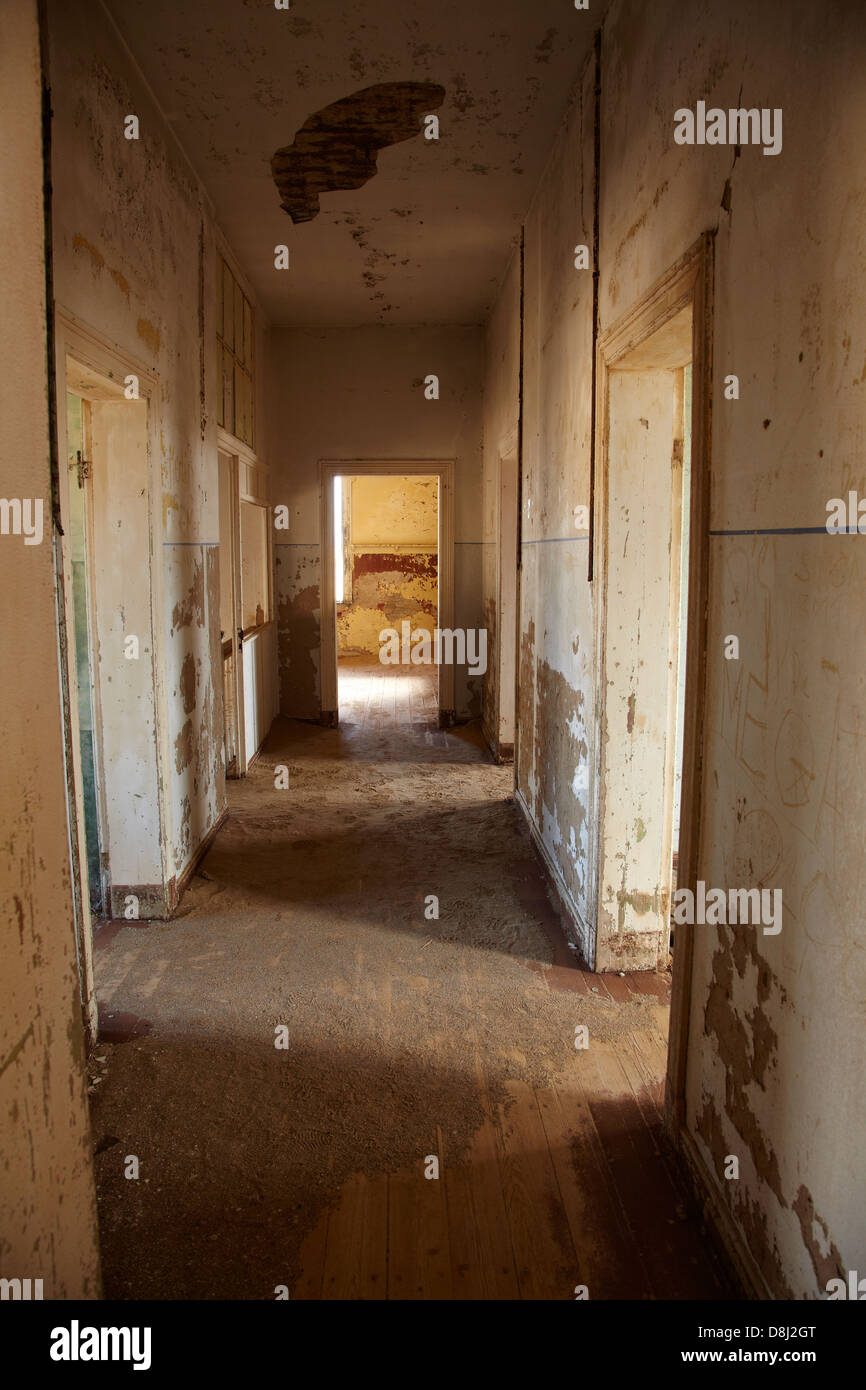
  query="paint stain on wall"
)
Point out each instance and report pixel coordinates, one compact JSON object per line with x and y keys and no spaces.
{"x":526,"y":709}
{"x":184,"y":747}
{"x":387,"y":589}
{"x":747,"y":1046}
{"x":336,"y":147}
{"x":148,"y":334}
{"x":298,"y":636}
{"x":191,"y":608}
{"x":827,"y":1261}
{"x":80,"y":243}
{"x":187,"y":683}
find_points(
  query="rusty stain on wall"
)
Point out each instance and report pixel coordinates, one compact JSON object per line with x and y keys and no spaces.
{"x":191,"y":609}
{"x":148,"y":334}
{"x":81,"y":243}
{"x":188,"y":683}
{"x":386,"y":590}
{"x":629,"y":723}
{"x":184,"y":747}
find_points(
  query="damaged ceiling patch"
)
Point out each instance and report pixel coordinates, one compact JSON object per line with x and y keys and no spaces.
{"x":336,"y":147}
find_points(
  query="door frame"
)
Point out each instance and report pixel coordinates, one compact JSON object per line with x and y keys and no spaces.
{"x":234,"y":567}
{"x":507,"y":564}
{"x":250,"y":483}
{"x":688,"y":282}
{"x":79,"y":346}
{"x":329,"y":469}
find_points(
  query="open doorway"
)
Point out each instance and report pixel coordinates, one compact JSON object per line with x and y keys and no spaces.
{"x":247,"y":626}
{"x":229,"y":636}
{"x":506,"y":595}
{"x":386,"y":552}
{"x":108,"y":637}
{"x":387,"y":585}
{"x":82,"y":664}
{"x":651,"y":529}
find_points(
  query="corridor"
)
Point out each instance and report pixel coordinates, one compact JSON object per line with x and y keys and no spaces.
{"x":432,"y":762}
{"x":408,"y":1037}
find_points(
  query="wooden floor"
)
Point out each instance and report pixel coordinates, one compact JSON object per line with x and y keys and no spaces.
{"x":310,"y":907}
{"x":375,"y":698}
{"x":566,"y":1187}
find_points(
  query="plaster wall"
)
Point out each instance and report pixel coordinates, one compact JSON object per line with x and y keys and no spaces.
{"x":47,"y":1201}
{"x":501,"y":418}
{"x":784,"y":724}
{"x":136,"y":260}
{"x":776,"y":1045}
{"x":359,"y":394}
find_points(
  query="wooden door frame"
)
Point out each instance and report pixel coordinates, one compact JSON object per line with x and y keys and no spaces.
{"x":81,"y":347}
{"x":228,"y":452}
{"x":509,"y":448}
{"x":250,"y":483}
{"x":329,"y":469}
{"x":688,"y":282}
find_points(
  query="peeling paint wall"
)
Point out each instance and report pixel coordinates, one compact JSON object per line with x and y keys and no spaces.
{"x":359,"y":394}
{"x":555,"y":658}
{"x":391,"y":550}
{"x":501,"y":411}
{"x":777,"y":1050}
{"x":776,"y":1046}
{"x":136,"y":261}
{"x":634,"y":843}
{"x":47,"y":1202}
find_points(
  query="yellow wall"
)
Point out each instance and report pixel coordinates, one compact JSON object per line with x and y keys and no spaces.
{"x":392,"y":558}
{"x":397,"y":510}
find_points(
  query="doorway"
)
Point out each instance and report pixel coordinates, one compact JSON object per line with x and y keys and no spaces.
{"x":229,"y":640}
{"x":79,"y":542}
{"x":650,"y":521}
{"x":383,"y":525}
{"x":506,"y":595}
{"x":386,"y":550}
{"x":247,"y":626}
{"x":108,"y":636}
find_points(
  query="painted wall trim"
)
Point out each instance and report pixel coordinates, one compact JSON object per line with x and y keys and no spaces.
{"x":688,"y":281}
{"x":720,"y":1218}
{"x":580,"y":934}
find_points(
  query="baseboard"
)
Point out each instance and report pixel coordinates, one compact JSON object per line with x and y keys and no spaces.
{"x":154,"y":901}
{"x":719,"y":1216}
{"x":500,"y":752}
{"x":489,"y":739}
{"x":576,"y":929}
{"x":178,"y":886}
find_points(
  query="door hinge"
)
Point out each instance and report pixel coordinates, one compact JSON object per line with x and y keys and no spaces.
{"x":83,"y":467}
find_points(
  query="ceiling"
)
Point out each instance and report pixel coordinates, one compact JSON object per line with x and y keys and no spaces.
{"x":427,"y":239}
